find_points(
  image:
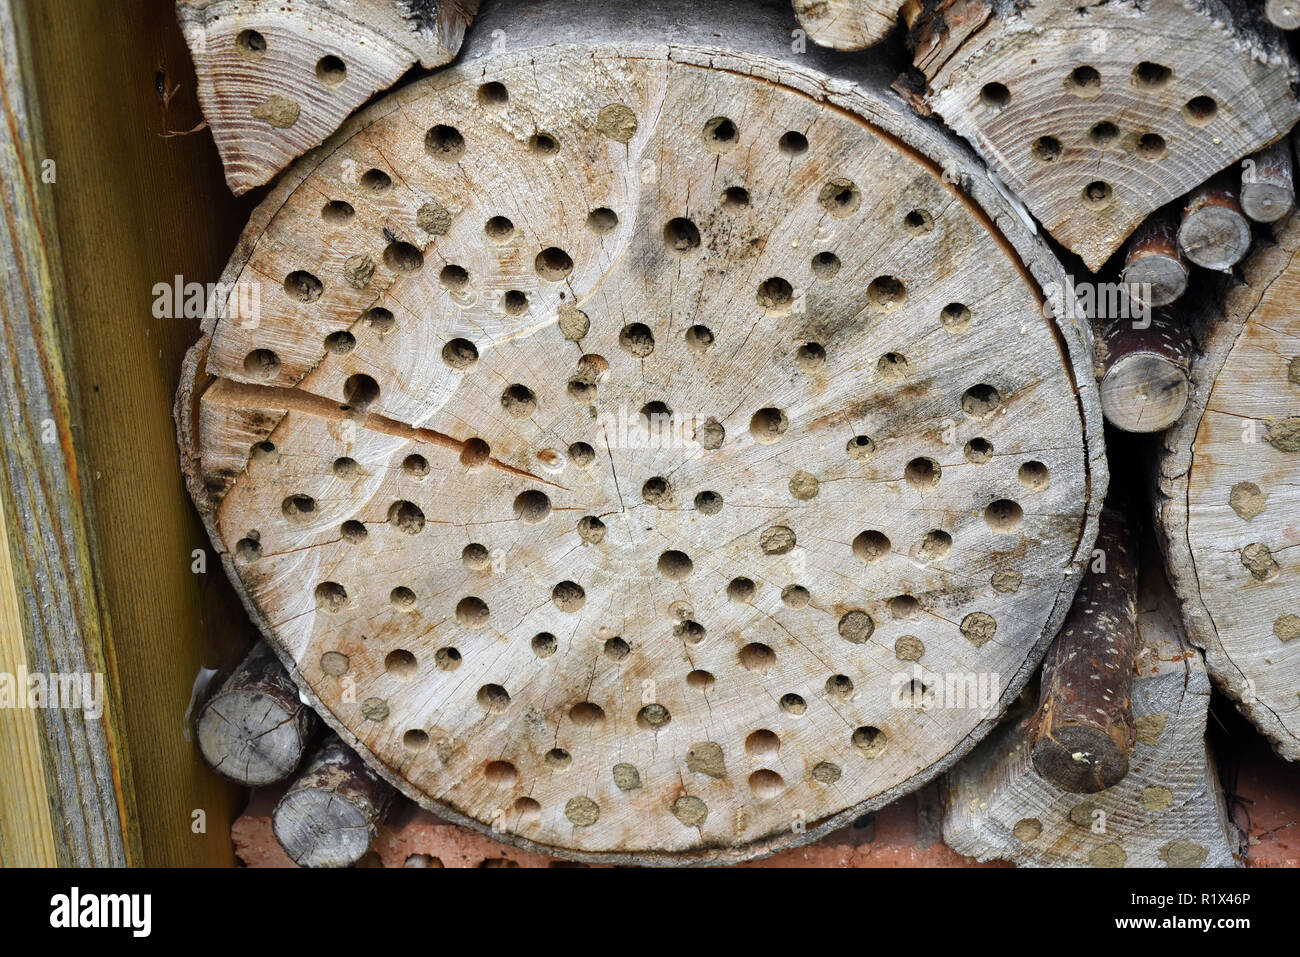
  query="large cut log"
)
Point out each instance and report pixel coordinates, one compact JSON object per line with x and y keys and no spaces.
{"x":1167,"y":811}
{"x":577,"y":509}
{"x":1091,"y":115}
{"x":1230,"y":483}
{"x":330,"y":815}
{"x":255,"y":729}
{"x":276,"y":78}
{"x":847,"y":24}
{"x":1083,"y":731}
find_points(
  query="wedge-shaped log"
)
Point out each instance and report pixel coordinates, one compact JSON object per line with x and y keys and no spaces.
{"x":255,"y":729}
{"x":276,"y":78}
{"x":1167,"y":811}
{"x":1091,"y":115}
{"x":1230,"y":483}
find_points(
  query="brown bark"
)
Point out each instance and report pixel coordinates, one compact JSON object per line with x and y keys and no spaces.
{"x":1145,"y":372}
{"x":1155,"y":261}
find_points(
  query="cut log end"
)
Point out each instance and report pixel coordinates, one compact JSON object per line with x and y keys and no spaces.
{"x":1266,"y":202}
{"x":1164,"y":275}
{"x":1283,"y":14}
{"x":1081,"y":759}
{"x":1144,"y":392}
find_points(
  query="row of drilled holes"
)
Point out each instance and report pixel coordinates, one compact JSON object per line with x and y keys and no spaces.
{"x":331,"y":71}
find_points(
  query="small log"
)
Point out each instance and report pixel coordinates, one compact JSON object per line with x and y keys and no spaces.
{"x":1214,"y":233}
{"x":1168,"y":811}
{"x":1145,"y":372}
{"x":1094,"y":121}
{"x":1155,"y":263}
{"x":329,"y":816}
{"x":1083,"y":731}
{"x":255,"y":729}
{"x":1267,"y":183}
{"x":275,"y":79}
{"x":847,"y":24}
{"x":1283,"y":14}
{"x":1229,"y":481}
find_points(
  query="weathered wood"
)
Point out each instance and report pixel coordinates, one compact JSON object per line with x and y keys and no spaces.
{"x":1145,"y":370}
{"x":275,"y":79}
{"x":1283,"y":14}
{"x":82,"y":772}
{"x":1214,"y":232}
{"x":1154,"y":265}
{"x":1083,"y":731}
{"x":1267,"y":183}
{"x":330,"y":815}
{"x":1091,"y":116}
{"x":631,"y":635}
{"x":1168,"y":811}
{"x":847,"y":24}
{"x":255,"y":729}
{"x":1230,"y":483}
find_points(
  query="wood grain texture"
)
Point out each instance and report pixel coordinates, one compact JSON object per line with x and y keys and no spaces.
{"x":133,"y":208}
{"x":1095,"y":116}
{"x":424,"y":603}
{"x":275,"y":79}
{"x":1169,"y":809}
{"x":1229,"y":493}
{"x":87,"y":777}
{"x":847,"y":24}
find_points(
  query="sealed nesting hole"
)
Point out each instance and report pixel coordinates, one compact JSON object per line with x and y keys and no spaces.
{"x":403,"y":257}
{"x":978,"y":451}
{"x":460,"y":354}
{"x":331,"y":71}
{"x":543,"y":144}
{"x":336,"y":212}
{"x":793,"y":143}
{"x":810,"y":357}
{"x":956,"y":317}
{"x":1034,"y":475}
{"x":741,"y":590}
{"x":708,"y":502}
{"x":980,"y":401}
{"x":499,"y":229}
{"x":1097,"y":194}
{"x":637,"y":339}
{"x":793,"y":704}
{"x":675,"y":566}
{"x":681,"y":235}
{"x":1103,"y":134}
{"x":871,"y":546}
{"x":532,"y":506}
{"x":1151,"y":146}
{"x":1199,"y":110}
{"x":340,"y":343}
{"x":1003,"y":516}
{"x":360,"y":391}
{"x":250,"y":44}
{"x":757,"y":656}
{"x":1084,"y":81}
{"x":995,"y":95}
{"x":1151,"y":76}
{"x":918,"y":222}
{"x":400,"y":664}
{"x":922,"y":474}
{"x":698,"y":338}
{"x":493,"y":94}
{"x":825,"y":265}
{"x":886,"y":292}
{"x":776,"y":295}
{"x":768,"y":425}
{"x":519,"y":401}
{"x":302,"y":286}
{"x":1047,"y":149}
{"x":840,"y":197}
{"x":720,"y":135}
{"x":444,"y":143}
{"x":735,"y":197}
{"x":552,"y":264}
{"x":262,"y":364}
{"x":602,"y":220}
{"x":376,"y":181}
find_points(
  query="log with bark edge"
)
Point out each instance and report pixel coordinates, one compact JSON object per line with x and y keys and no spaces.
{"x":330,"y":815}
{"x":1083,"y":732}
{"x":1230,"y":483}
{"x":1145,"y":364}
{"x":1167,"y":811}
{"x":1091,"y":116}
{"x":1214,"y":232}
{"x":276,"y":79}
{"x":1267,"y":183}
{"x":847,"y":24}
{"x":255,"y":729}
{"x":1154,"y":265}
{"x":1283,"y":14}
{"x":557,"y":437}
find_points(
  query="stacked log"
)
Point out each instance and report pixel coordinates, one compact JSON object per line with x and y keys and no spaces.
{"x":553,"y":588}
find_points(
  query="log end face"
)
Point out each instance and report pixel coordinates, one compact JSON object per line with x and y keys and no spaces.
{"x":318,"y":830}
{"x":1214,"y":237}
{"x":1144,"y":392}
{"x":1080,"y":759}
{"x":251,"y":738}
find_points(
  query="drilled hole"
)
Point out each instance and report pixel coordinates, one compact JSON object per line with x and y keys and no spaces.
{"x":569,"y":597}
{"x":887,"y":292}
{"x":602,"y":220}
{"x":1200,"y":110}
{"x":544,"y":644}
{"x":553,"y":264}
{"x":758,"y":657}
{"x":1034,"y":476}
{"x":1084,"y":81}
{"x":302,"y":286}
{"x":474,"y":453}
{"x":656,"y":491}
{"x":261,"y":364}
{"x":1103,"y":134}
{"x":675,"y":566}
{"x":720,"y":135}
{"x":376,"y":181}
{"x":585,"y":714}
{"x":978,"y":451}
{"x":681,"y":235}
{"x":741,"y":590}
{"x":340,"y":343}
{"x":1151,"y":146}
{"x":532,"y":506}
{"x":400,"y":664}
{"x":708,"y":503}
{"x":514,"y":302}
{"x":1151,"y":76}
{"x":518,"y":401}
{"x":825,"y":265}
{"x":768,"y":425}
{"x":637,"y":339}
{"x":935,"y":544}
{"x":444,"y":143}
{"x":543,"y":144}
{"x":810,"y":357}
{"x":460,"y":354}
{"x":871,"y":546}
{"x":980,"y":401}
{"x":793,"y":143}
{"x":699,"y":338}
{"x":918,"y":222}
{"x":403,"y":257}
{"x":776,"y":295}
{"x":1097,"y":195}
{"x":454,"y":277}
{"x":922,"y":474}
{"x":955,"y":317}
{"x":1047,"y":149}
{"x":415,"y":465}
{"x":1004,"y":516}
{"x":793,"y":704}
{"x":735,"y":197}
{"x":499,"y":229}
{"x":493,"y":698}
{"x":360,"y":391}
{"x":331,"y":71}
{"x":250,"y":44}
{"x":336,"y":212}
{"x":493,"y":94}
{"x":616,"y":649}
{"x":840,"y":197}
{"x":995,"y":95}
{"x":406,"y":517}
{"x":331,"y":597}
{"x":871,"y":741}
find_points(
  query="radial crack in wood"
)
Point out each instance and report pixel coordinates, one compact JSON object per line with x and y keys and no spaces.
{"x":730,"y":564}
